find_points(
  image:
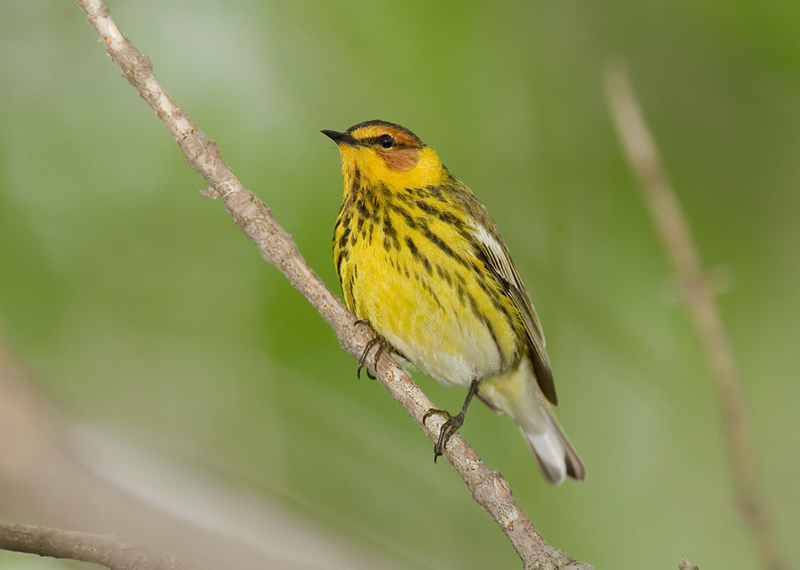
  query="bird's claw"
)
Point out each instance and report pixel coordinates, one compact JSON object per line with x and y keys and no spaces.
{"x":382,"y":346}
{"x":449,"y":427}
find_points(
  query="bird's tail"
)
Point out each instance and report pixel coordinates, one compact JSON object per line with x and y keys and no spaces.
{"x":517,"y":394}
{"x":553,"y":451}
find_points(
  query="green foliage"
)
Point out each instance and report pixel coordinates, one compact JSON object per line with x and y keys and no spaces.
{"x":139,"y":302}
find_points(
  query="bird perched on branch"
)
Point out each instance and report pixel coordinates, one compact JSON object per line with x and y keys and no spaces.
{"x":422,"y":262}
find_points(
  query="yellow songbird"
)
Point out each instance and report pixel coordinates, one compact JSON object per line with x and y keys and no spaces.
{"x":421,"y":261}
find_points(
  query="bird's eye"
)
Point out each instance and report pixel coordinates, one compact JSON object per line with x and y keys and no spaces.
{"x":386,"y":141}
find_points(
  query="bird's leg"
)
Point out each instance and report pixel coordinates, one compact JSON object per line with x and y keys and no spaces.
{"x":383,"y":345}
{"x":452,"y":424}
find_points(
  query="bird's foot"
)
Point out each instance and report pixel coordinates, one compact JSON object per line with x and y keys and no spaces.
{"x":383,"y":345}
{"x":449,"y":427}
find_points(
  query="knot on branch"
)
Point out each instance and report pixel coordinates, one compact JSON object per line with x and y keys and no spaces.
{"x":136,"y":68}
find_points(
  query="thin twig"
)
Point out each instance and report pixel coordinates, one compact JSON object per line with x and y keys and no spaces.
{"x":698,"y":293}
{"x":106,"y":550}
{"x":250,"y":214}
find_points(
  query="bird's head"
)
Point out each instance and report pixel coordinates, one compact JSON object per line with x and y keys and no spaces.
{"x":379,"y":153}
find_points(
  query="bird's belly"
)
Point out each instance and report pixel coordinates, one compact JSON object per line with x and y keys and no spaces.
{"x":452,"y":337}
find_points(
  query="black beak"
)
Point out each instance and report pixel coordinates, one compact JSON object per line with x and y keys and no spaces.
{"x":340,"y":137}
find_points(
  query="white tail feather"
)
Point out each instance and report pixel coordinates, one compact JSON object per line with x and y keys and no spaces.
{"x":517,"y":394}
{"x":549,"y":456}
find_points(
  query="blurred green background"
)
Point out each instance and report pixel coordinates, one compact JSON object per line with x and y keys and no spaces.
{"x":141,"y":307}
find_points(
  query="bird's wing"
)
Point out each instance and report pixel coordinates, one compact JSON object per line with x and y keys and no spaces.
{"x":498,"y":261}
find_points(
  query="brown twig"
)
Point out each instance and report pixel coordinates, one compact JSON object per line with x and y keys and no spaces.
{"x":250,"y":214}
{"x":106,"y":550}
{"x":698,"y":293}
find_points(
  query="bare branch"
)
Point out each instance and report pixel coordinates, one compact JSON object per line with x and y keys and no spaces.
{"x":674,"y":231}
{"x":107,"y":550}
{"x":250,"y":214}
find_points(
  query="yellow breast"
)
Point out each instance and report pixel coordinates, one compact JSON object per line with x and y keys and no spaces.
{"x":407,"y":265}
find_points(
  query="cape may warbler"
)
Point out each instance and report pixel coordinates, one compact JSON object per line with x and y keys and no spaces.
{"x":422,"y":262}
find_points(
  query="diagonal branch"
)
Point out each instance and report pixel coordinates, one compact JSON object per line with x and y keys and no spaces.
{"x":489,"y":488}
{"x":674,"y":231}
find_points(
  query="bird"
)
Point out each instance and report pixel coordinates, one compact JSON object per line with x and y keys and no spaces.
{"x":422,"y":263}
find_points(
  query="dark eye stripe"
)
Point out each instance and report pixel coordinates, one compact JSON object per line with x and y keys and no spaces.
{"x":376,"y":141}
